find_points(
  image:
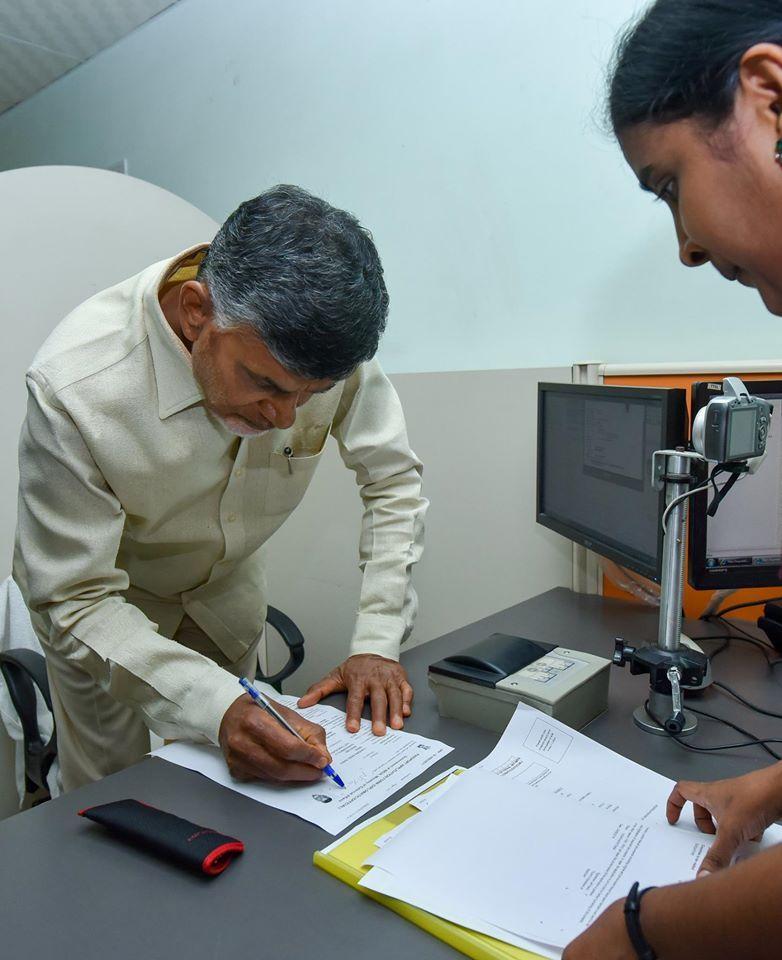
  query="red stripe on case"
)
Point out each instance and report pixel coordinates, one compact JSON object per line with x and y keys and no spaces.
{"x":218,"y":859}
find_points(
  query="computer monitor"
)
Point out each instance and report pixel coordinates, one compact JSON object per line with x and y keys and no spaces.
{"x":741,"y":546}
{"x":595,"y":446}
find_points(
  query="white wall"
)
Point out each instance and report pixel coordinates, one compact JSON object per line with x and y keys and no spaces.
{"x":464,"y":133}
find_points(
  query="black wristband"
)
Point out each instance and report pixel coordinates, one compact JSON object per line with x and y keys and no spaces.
{"x":633,"y":923}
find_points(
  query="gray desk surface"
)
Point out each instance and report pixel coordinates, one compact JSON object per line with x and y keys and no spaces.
{"x":65,"y":884}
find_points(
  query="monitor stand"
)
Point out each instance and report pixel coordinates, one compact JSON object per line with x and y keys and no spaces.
{"x":674,"y":667}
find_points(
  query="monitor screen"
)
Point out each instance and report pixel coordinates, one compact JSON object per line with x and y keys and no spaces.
{"x":741,"y":545}
{"x":595,"y":446}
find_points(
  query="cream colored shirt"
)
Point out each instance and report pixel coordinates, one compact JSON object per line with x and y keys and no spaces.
{"x":136,"y":507}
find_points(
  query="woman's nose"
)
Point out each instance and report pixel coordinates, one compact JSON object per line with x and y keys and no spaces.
{"x":690,"y":254}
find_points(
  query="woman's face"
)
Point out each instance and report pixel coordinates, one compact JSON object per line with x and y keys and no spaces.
{"x":724,"y":186}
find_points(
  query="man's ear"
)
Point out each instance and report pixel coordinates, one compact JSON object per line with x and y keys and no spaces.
{"x":195,"y":309}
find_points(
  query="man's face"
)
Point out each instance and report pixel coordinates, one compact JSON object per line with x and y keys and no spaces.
{"x":243,"y":385}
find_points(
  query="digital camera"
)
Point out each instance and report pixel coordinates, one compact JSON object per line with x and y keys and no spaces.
{"x":733,"y":427}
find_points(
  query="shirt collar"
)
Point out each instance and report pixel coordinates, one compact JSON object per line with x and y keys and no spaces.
{"x":177,"y":388}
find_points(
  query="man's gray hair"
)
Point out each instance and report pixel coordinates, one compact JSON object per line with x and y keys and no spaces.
{"x":304,"y":276}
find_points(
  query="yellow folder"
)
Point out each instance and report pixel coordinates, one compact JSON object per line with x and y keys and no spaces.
{"x":344,"y":860}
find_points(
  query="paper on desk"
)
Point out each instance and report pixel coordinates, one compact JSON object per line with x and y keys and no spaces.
{"x":379,"y":881}
{"x":425,"y":800}
{"x":439,"y":909}
{"x":542,"y":752}
{"x":538,"y":865}
{"x":420,"y":802}
{"x":372,"y":767}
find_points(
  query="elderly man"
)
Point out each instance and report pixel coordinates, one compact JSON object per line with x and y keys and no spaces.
{"x":174,"y":422}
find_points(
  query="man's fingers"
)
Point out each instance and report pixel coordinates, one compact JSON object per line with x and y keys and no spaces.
{"x":353,"y":708}
{"x":271,"y":768}
{"x":378,"y":701}
{"x":720,"y":854}
{"x":407,"y":699}
{"x":394,"y":694}
{"x":323,"y":688}
{"x":314,"y":734}
{"x":242,"y":771}
{"x":251,"y":760}
{"x":265,"y":735}
{"x":302,"y":751}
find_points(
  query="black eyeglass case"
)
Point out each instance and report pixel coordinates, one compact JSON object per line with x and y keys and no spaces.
{"x":192,"y":846}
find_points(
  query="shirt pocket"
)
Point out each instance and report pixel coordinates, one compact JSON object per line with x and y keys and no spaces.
{"x":291,"y":469}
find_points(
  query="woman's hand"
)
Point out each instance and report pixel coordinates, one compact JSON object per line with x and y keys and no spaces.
{"x":736,"y":810}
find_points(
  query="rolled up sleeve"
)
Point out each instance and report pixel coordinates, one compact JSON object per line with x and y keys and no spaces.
{"x":69,"y":530}
{"x":372,"y":436}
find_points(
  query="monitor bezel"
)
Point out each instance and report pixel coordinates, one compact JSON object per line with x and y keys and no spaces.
{"x":675,"y":422}
{"x":700,"y":576}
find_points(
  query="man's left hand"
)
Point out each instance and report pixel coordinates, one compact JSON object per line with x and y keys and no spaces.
{"x":606,"y":939}
{"x":367,"y":675}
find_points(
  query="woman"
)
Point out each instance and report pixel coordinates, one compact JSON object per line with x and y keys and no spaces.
{"x":696,"y":104}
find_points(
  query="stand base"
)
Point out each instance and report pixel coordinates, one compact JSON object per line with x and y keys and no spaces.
{"x":662,"y":706}
{"x":645,"y":722}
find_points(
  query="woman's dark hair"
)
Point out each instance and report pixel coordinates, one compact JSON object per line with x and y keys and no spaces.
{"x":681,"y":59}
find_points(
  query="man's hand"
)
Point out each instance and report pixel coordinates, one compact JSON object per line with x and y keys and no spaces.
{"x":257,"y":747}
{"x":742,"y":807}
{"x":367,"y":675}
{"x":606,"y":939}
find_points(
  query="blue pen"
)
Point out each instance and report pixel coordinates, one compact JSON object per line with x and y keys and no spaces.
{"x":264,"y":704}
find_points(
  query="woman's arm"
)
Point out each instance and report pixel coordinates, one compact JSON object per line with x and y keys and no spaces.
{"x":726,"y":912}
{"x":732,"y":913}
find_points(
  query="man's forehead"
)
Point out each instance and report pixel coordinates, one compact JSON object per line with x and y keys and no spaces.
{"x":256,"y":357}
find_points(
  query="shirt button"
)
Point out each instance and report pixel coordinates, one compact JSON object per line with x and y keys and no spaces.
{"x":231,"y":517}
{"x":239,"y":473}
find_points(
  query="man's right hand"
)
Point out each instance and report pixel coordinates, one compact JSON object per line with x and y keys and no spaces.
{"x":257,"y":747}
{"x":736,"y":810}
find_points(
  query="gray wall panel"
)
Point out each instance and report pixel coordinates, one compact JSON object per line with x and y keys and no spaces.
{"x":475,"y":432}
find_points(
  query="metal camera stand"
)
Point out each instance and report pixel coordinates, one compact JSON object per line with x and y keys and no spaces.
{"x":670,"y":665}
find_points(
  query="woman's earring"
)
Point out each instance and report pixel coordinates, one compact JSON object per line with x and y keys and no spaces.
{"x":778,"y":152}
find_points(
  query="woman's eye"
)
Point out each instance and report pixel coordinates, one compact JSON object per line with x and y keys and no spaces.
{"x":668,"y":191}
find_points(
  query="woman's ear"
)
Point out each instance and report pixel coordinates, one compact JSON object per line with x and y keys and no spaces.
{"x":760,"y":81}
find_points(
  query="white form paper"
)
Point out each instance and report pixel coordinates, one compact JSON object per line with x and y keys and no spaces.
{"x":539,"y":866}
{"x":372,"y":768}
{"x":379,"y":881}
{"x":427,"y":799}
{"x":544,"y":753}
{"x":440,"y":909}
